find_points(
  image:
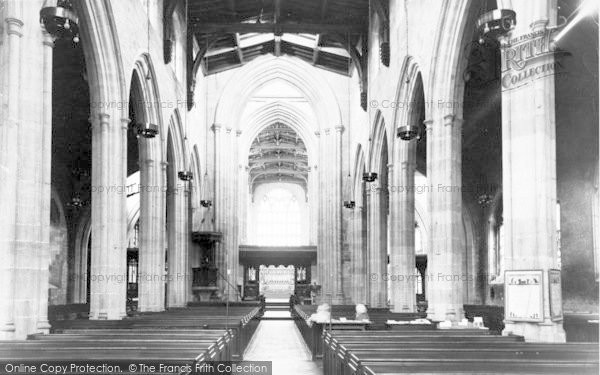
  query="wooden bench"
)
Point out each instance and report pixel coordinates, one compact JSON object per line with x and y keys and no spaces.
{"x":242,"y":321}
{"x":450,"y":351}
{"x":177,"y":348}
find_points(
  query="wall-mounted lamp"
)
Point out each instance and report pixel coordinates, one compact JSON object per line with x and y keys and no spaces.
{"x":495,"y":23}
{"x":349,"y":204}
{"x":76,"y":202}
{"x":408,"y":132}
{"x":60,"y":21}
{"x":205,"y":203}
{"x":484,"y":199}
{"x":147,"y":130}
{"x":185,"y":175}
{"x":369,"y":176}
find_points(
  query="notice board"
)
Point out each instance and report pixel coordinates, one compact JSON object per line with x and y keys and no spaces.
{"x":524,"y":296}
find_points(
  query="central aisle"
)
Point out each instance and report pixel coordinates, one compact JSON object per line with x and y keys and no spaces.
{"x":280,"y":341}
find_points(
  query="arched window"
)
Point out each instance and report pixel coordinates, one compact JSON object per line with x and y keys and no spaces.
{"x":279,"y":219}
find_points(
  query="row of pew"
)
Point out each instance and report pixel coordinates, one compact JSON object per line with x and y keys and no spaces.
{"x":185,"y":336}
{"x":464,"y":351}
{"x":242,"y":321}
{"x":313,"y":335}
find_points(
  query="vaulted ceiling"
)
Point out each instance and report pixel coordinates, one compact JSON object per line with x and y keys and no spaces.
{"x":230,"y":33}
{"x":278,"y":154}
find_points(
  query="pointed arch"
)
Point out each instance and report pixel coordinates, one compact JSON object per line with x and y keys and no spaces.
{"x":358,"y":170}
{"x":175,"y":140}
{"x":144,"y":76}
{"x":379,"y":144}
{"x":265,"y":69}
{"x":278,"y":112}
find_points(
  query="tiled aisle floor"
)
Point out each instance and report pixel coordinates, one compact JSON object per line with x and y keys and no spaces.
{"x":280,"y":341}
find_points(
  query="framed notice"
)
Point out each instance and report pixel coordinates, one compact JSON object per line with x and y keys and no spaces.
{"x":554,"y":289}
{"x":524,"y":296}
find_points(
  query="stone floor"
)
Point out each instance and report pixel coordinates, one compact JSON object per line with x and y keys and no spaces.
{"x":280,"y":341}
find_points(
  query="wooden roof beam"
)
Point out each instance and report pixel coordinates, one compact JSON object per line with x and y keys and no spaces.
{"x":285,"y":27}
{"x":239,"y":50}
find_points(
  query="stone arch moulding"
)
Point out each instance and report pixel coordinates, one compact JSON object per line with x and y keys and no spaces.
{"x":196,"y":169}
{"x":406,"y":93}
{"x":108,"y":86}
{"x":359,"y":168}
{"x":448,"y":59}
{"x":378,"y":136}
{"x":152,"y":112}
{"x":179,"y":145}
{"x":80,"y":256}
{"x":55,"y":197}
{"x":278,"y":112}
{"x":254,"y":75}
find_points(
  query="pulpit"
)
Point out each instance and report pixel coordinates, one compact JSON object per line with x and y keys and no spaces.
{"x":204,"y":270}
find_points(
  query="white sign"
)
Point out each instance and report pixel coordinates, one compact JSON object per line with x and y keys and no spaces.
{"x":554,"y":288}
{"x":524,"y":296}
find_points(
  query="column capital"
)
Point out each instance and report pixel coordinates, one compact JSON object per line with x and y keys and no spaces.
{"x":216,"y":127}
{"x":405,"y":165}
{"x":327,"y":131}
{"x":228,"y":129}
{"x":318,"y":133}
{"x":539,"y":24}
{"x":15,"y":26}
{"x":339,"y":128}
{"x":238,"y":133}
{"x":164,"y":165}
{"x":103,"y":119}
{"x":48,"y":40}
{"x":451,"y":119}
{"x":428,"y":124}
{"x":125,"y":123}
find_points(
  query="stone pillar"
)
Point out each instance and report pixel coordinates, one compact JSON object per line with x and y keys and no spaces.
{"x":359,"y":261}
{"x":10,"y":122}
{"x":220,"y":249}
{"x":529,"y":166}
{"x":45,"y":199}
{"x":446,"y":250}
{"x":178,"y":273}
{"x":151,"y":253}
{"x":321,"y":255}
{"x":336,"y":207}
{"x":27,"y":219}
{"x":376,"y":248}
{"x":402,"y":220}
{"x":108,"y":266}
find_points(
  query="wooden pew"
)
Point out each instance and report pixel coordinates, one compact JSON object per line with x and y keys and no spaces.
{"x":450,"y":351}
{"x":179,"y":348}
{"x":180,"y":336}
{"x":242,"y":321}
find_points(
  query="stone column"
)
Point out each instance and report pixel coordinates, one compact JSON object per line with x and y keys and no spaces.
{"x":108,"y":268}
{"x":376,"y":249}
{"x":10,"y":103}
{"x":178,"y":273}
{"x":320,"y":196}
{"x":220,"y":249}
{"x":29,"y":196}
{"x":446,"y":250}
{"x":151,"y":253}
{"x":529,"y":164}
{"x":45,"y":199}
{"x":336,"y":226}
{"x":402,"y":220}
